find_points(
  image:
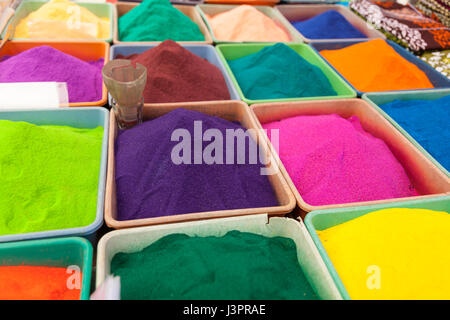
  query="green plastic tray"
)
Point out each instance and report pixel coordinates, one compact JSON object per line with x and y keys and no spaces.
{"x":235,"y":51}
{"x":213,"y":9}
{"x":378,"y":98}
{"x":101,"y":10}
{"x":324,"y":219}
{"x":57,"y":252}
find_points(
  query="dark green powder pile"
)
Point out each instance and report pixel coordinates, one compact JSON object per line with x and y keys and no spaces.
{"x":239,"y":265}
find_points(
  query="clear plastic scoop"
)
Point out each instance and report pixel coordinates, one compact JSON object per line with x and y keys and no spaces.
{"x":126,"y":85}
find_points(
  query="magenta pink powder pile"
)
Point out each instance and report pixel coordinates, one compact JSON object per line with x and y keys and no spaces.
{"x":333,"y":160}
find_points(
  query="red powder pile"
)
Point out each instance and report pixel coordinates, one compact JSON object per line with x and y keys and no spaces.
{"x":174,"y":74}
{"x":36,"y":283}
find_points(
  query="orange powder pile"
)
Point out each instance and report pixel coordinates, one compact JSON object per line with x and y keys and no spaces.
{"x":35,"y":283}
{"x":245,"y":23}
{"x":375,"y":66}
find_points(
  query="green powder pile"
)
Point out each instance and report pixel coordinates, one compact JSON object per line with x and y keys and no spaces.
{"x":157,"y":20}
{"x":239,"y":265}
{"x":48,"y":176}
{"x":279,"y":72}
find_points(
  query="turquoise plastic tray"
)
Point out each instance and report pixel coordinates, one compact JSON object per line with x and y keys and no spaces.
{"x":378,"y":98}
{"x":62,"y":252}
{"x":324,"y":219}
{"x":101,"y":10}
{"x":83,"y":117}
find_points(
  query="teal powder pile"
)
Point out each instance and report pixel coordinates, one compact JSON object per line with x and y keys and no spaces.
{"x":238,"y":265}
{"x":278,"y":72}
{"x":48,"y":176}
{"x":157,"y":20}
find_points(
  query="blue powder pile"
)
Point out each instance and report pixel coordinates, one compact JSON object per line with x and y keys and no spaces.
{"x":328,"y":25}
{"x":427,"y":121}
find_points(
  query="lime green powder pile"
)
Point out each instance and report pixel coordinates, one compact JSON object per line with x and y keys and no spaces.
{"x":239,"y":265}
{"x":48,"y":176}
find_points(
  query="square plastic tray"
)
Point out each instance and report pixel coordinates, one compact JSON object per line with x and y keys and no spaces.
{"x":324,"y":219}
{"x":77,"y":118}
{"x":428,"y":179}
{"x":101,"y":10}
{"x":136,"y":239}
{"x":59,"y":252}
{"x":229,"y":110}
{"x":213,"y":9}
{"x":86,"y":51}
{"x":235,"y":51}
{"x":377,"y":98}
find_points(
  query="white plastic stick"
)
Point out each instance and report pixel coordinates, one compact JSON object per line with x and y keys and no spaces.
{"x":30,"y":95}
{"x":108,"y":290}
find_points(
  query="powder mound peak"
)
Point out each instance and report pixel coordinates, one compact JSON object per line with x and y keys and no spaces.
{"x":168,"y":53}
{"x":57,"y":9}
{"x":178,"y":118}
{"x":37,"y":53}
{"x":246,"y":23}
{"x":40,"y":49}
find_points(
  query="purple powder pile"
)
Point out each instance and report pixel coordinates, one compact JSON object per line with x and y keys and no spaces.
{"x":44,"y":63}
{"x":149,"y":184}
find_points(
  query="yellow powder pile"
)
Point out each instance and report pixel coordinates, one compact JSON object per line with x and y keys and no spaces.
{"x":245,"y":23}
{"x":392,"y":254}
{"x":62,"y":19}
